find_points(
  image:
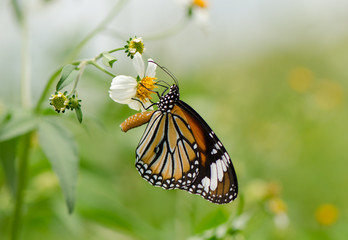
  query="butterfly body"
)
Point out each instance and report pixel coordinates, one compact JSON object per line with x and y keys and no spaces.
{"x":178,"y":150}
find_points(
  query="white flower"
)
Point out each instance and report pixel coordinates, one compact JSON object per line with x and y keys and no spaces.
{"x":125,"y":89}
{"x":199,"y":10}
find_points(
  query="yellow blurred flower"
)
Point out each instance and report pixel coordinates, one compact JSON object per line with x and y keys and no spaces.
{"x":256,"y":190}
{"x":274,"y":189}
{"x":300,"y":79}
{"x":279,"y":209}
{"x":326,"y":214}
{"x":328,"y":95}
{"x":200,"y":3}
{"x":199,"y":10}
{"x":259,"y":190}
{"x":277,"y":206}
{"x":46,"y":181}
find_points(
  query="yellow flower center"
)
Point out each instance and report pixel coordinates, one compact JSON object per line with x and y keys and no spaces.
{"x":59,"y":102}
{"x":145,"y":87}
{"x":136,"y":45}
{"x":200,"y":3}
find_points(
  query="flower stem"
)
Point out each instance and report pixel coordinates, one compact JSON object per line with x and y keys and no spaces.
{"x":115,"y":50}
{"x":81,"y":70}
{"x":114,"y":11}
{"x":102,"y":69}
{"x":21,"y":184}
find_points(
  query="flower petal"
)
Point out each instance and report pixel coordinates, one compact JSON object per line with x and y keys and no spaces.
{"x":136,"y":105}
{"x":123,"y":89}
{"x":123,"y":82}
{"x":202,"y":17}
{"x":151,"y":68}
{"x":138,"y":64}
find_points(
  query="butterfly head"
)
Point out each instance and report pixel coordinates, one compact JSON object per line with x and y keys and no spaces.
{"x":166,"y":102}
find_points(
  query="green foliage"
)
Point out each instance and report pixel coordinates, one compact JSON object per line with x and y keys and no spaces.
{"x":7,"y":158}
{"x":108,"y":59}
{"x":282,"y":116}
{"x":17,"y":123}
{"x":68,"y":75}
{"x":60,"y":148}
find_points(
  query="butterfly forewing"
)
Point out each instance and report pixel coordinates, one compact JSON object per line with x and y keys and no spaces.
{"x":167,"y":154}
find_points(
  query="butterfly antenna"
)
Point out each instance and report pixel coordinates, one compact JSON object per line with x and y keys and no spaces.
{"x":142,"y":104}
{"x":158,"y":95}
{"x":167,"y":72}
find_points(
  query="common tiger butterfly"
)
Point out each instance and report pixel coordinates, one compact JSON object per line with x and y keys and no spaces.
{"x":178,"y":150}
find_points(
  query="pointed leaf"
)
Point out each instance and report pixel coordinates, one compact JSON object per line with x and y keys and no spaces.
{"x":67,"y":76}
{"x":7,"y":159}
{"x":17,"y":124}
{"x":60,"y":148}
{"x":108,"y":60}
{"x":79,"y":114}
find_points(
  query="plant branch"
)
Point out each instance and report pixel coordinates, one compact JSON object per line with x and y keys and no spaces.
{"x":114,"y":11}
{"x":102,"y":69}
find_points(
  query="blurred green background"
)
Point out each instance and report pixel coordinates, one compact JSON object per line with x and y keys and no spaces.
{"x":269,"y":77}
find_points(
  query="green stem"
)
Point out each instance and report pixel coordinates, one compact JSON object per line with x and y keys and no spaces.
{"x":81,"y":70}
{"x":17,"y":10}
{"x":116,"y":49}
{"x":99,"y":56}
{"x":101,"y":68}
{"x":114,"y":11}
{"x":21,"y":184}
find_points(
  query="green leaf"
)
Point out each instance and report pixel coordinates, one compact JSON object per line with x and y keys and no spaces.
{"x":79,"y":114}
{"x":108,"y":60}
{"x":60,"y":148}
{"x":66,"y":76}
{"x":17,"y":123}
{"x":7,"y":158}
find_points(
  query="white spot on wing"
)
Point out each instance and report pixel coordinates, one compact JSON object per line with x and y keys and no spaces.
{"x":220,"y":172}
{"x":224,"y":167}
{"x":227,"y":157}
{"x":213,"y":177}
{"x":206,"y":184}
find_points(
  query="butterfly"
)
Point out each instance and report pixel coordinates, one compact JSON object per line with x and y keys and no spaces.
{"x":178,"y":150}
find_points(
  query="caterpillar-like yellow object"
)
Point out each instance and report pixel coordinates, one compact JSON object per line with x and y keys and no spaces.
{"x":136,"y":120}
